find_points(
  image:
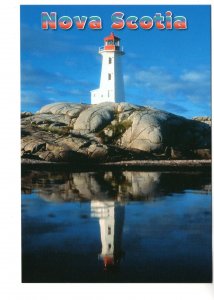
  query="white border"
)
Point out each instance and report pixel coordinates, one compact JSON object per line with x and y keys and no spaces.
{"x":10,"y":262}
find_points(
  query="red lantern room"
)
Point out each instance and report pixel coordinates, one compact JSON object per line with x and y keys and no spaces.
{"x":111,"y":42}
{"x":108,"y":261}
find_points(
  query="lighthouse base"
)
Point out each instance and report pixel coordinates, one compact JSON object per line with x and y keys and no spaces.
{"x":101,"y":95}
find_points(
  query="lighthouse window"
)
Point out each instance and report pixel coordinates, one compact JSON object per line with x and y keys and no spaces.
{"x":109,"y":230}
{"x":109,"y":60}
{"x":109,"y":76}
{"x":109,"y":246}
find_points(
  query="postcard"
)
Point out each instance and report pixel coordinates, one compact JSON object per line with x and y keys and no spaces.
{"x":116,"y":143}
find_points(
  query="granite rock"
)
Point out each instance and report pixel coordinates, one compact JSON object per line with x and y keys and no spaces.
{"x":112,"y":131}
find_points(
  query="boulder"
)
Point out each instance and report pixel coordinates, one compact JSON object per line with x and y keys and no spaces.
{"x":63,"y":108}
{"x":145,"y":133}
{"x":154,"y":130}
{"x":96,"y":117}
{"x":112,"y":132}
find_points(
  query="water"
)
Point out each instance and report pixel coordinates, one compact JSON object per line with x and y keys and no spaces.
{"x":116,"y":227}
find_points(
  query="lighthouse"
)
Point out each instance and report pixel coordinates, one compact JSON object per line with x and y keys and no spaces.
{"x":111,"y":81}
{"x":111,"y":220}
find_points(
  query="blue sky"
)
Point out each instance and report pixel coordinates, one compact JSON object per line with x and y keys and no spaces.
{"x":166,"y":69}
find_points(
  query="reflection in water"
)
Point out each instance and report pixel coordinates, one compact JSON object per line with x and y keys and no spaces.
{"x":111,"y":186}
{"x":164,"y":211}
{"x":111,"y":219}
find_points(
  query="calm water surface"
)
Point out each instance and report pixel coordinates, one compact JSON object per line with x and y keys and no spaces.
{"x":116,"y":227}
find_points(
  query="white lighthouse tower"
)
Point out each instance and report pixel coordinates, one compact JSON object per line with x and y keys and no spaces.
{"x":111,"y":82}
{"x":111,"y":219}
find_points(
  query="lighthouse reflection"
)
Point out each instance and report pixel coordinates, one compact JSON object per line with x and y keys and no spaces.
{"x":111,"y":219}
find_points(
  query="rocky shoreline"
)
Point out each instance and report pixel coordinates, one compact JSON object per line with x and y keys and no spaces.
{"x":163,"y":165}
{"x":113,"y":134}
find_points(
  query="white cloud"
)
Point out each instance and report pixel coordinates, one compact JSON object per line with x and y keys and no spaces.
{"x":191,"y":84}
{"x":158,"y":79}
{"x":195,"y":76}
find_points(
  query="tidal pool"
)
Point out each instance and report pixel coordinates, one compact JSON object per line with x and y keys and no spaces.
{"x":116,"y":227}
